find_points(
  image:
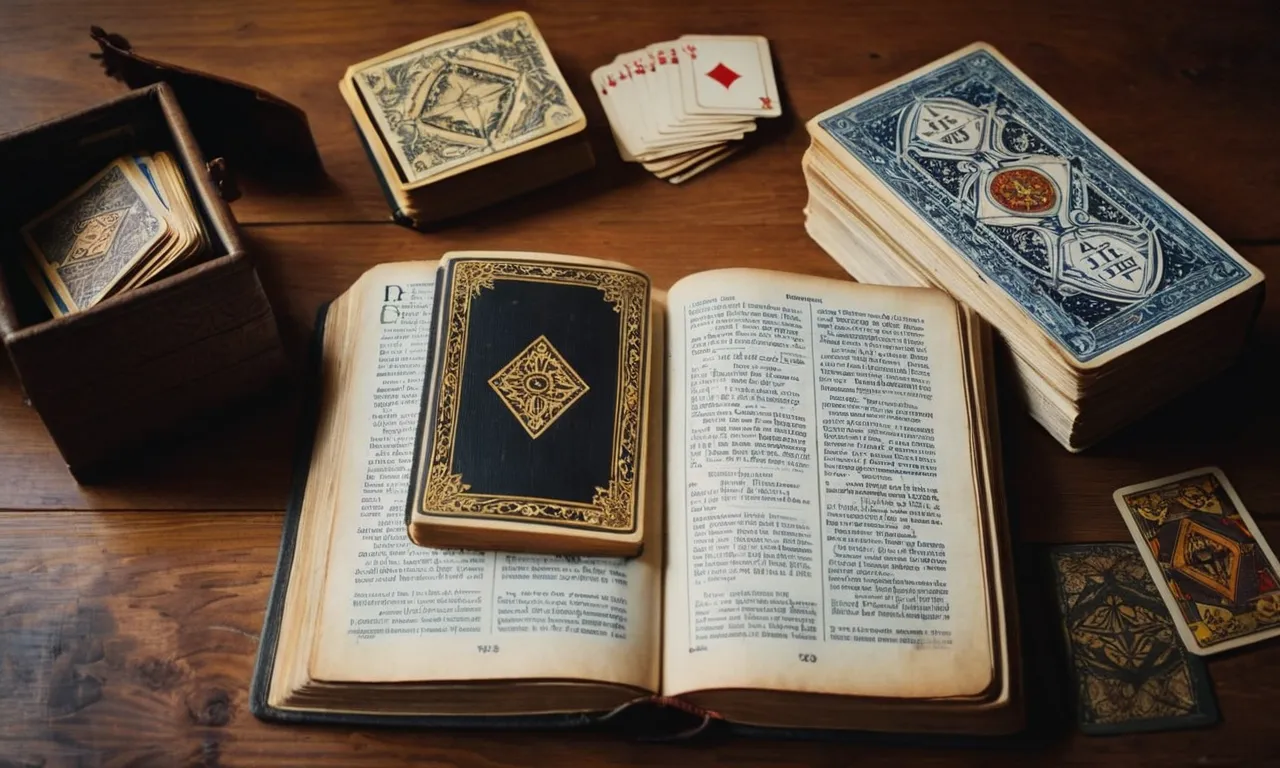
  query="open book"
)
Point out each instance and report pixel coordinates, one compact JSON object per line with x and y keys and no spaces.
{"x":835,"y":551}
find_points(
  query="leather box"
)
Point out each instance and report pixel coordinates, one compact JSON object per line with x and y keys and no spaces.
{"x":139,"y":365}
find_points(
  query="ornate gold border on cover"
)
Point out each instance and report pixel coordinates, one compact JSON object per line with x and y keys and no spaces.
{"x":612,"y":508}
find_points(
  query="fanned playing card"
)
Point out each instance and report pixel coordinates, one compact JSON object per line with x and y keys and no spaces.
{"x":1214,"y":570}
{"x":1130,"y":670}
{"x":677,"y":107}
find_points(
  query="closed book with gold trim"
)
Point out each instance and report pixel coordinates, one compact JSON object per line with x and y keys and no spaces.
{"x":535,"y":421}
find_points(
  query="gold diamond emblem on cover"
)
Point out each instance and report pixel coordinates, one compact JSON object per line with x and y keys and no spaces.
{"x":538,"y":386}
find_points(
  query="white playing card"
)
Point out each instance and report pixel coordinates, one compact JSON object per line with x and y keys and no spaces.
{"x":675,"y":91}
{"x":632,"y":121}
{"x":639,"y":69}
{"x":606,"y":87}
{"x":727,"y":75}
{"x":628,"y":96}
{"x":653,"y":89}
{"x":628,"y":93}
{"x":613,"y":85}
{"x":669,"y":107}
{"x":661,"y":54}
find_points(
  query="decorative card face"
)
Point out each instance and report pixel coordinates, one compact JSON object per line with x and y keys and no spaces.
{"x":466,"y":96}
{"x":1213,"y":567}
{"x":537,"y":399}
{"x":94,"y":237}
{"x":1091,"y":250}
{"x":1128,"y":665}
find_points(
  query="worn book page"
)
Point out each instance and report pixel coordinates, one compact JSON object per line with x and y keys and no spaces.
{"x":297,"y":615}
{"x":824,"y":525}
{"x":392,"y":611}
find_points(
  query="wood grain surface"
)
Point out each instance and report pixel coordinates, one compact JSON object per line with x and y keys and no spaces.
{"x":130,"y":610}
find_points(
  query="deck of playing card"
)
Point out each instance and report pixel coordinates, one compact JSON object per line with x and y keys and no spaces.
{"x":465,"y":118}
{"x":130,"y":224}
{"x":965,"y":175}
{"x":679,"y":106}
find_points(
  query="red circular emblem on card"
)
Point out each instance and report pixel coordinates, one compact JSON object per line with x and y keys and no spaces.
{"x":1023,"y":190}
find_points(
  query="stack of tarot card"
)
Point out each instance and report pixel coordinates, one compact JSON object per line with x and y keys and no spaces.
{"x":681,"y":106}
{"x":465,"y":118}
{"x":129,"y":225}
{"x":964,"y":175}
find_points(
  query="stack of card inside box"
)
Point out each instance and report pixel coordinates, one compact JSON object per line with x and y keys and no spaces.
{"x":465,"y":118}
{"x":132,"y":223}
{"x":964,"y":175}
{"x":681,"y":106}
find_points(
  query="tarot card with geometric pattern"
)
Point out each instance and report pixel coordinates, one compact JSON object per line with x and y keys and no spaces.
{"x":95,"y":237}
{"x":1129,"y":668}
{"x":1210,"y":562}
{"x":467,"y":96}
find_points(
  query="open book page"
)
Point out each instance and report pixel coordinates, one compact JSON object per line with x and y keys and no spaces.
{"x":315,"y":518}
{"x":392,"y":611}
{"x":825,"y":533}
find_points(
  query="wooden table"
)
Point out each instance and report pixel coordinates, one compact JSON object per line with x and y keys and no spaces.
{"x":131,"y":610}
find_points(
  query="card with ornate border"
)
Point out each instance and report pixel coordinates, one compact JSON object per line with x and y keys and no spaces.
{"x":538,"y":393}
{"x":1130,"y":670}
{"x":1213,"y":567}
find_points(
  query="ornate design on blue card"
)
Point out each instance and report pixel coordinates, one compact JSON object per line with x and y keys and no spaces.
{"x":1088,"y":250}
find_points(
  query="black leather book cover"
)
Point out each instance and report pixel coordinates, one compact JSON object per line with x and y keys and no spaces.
{"x":537,"y":397}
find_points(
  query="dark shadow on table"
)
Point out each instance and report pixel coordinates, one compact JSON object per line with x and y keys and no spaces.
{"x":247,"y":446}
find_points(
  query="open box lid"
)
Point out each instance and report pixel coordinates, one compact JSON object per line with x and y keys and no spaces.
{"x":255,"y":131}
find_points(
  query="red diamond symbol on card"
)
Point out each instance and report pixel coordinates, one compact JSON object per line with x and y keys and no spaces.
{"x":723,"y":75}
